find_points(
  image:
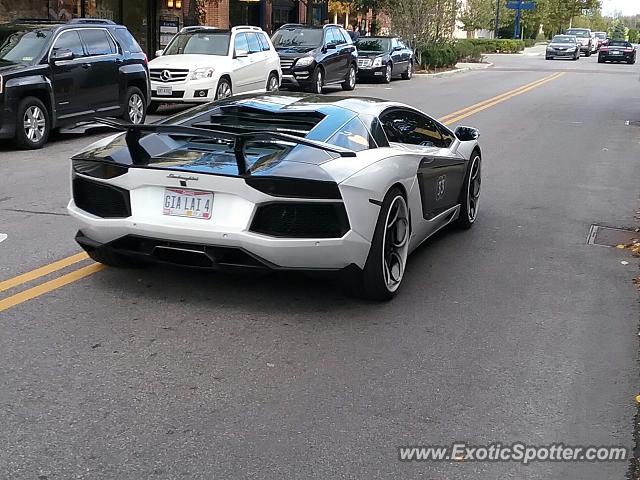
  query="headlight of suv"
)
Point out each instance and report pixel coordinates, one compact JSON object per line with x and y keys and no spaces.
{"x":377,"y":62}
{"x":200,"y":73}
{"x":304,"y":61}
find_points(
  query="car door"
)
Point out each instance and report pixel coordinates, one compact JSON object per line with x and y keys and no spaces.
{"x":103,"y":65}
{"x":332,"y":57}
{"x":344,"y":48}
{"x":439,"y":174}
{"x":70,"y":77}
{"x":258,"y":62}
{"x":243,"y":73}
{"x":399,"y":64}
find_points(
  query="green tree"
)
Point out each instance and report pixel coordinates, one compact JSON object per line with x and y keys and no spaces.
{"x":477,"y":15}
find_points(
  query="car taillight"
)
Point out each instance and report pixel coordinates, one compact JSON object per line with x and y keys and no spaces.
{"x":146,"y":60}
{"x":628,"y":49}
{"x":604,"y":49}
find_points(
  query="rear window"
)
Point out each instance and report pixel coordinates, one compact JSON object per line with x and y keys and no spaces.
{"x":619,"y":43}
{"x":128,"y":42}
{"x":579,"y":33}
{"x":202,"y":43}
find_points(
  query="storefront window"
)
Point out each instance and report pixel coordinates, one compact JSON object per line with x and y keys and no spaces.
{"x":64,"y":9}
{"x":135,"y":16}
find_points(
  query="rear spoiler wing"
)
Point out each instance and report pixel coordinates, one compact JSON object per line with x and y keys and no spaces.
{"x":139,"y":156}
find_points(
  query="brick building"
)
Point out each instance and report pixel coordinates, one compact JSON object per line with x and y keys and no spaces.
{"x":153,"y":22}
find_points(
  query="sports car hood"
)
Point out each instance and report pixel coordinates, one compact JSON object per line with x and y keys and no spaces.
{"x":167,"y":152}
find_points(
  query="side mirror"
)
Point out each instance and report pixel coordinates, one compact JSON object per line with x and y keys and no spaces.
{"x":240,"y":53}
{"x":159,"y":53}
{"x":466,"y":134}
{"x":62,"y":54}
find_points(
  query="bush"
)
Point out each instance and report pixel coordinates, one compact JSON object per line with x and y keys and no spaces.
{"x":501,"y":45}
{"x":529,"y":42}
{"x":439,"y":56}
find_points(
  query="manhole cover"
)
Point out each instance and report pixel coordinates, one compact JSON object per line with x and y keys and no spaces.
{"x":610,"y":236}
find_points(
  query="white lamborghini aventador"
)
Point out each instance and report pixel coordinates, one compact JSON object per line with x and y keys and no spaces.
{"x":278,"y":182}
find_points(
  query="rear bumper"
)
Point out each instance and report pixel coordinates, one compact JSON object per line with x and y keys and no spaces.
{"x":275,"y":253}
{"x":617,"y":58}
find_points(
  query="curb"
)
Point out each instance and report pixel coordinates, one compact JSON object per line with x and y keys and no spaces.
{"x":450,"y":73}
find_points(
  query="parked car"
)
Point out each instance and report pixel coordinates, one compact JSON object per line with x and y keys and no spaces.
{"x":55,"y":75}
{"x":315,"y":57}
{"x":617,"y":51}
{"x":262,"y":182}
{"x":563,"y":46}
{"x":201,"y":64}
{"x":584,"y":38}
{"x":383,"y":58}
{"x":601,"y":38}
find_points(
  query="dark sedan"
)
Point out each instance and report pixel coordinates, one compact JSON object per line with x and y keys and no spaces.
{"x":617,"y":51}
{"x":383,"y":58}
{"x":565,"y":46}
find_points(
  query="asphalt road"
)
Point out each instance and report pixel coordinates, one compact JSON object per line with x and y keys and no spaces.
{"x":516,"y":330}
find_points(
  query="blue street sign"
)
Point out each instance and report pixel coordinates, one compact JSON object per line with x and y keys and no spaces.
{"x":526,"y":5}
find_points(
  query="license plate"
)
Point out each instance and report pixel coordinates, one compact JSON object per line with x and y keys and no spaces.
{"x":180,"y":202}
{"x":164,"y":90}
{"x":615,"y":52}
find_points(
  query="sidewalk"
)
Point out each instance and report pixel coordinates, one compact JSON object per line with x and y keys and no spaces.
{"x":460,"y":67}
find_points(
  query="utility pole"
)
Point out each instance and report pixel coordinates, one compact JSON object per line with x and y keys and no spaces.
{"x":497,"y":31}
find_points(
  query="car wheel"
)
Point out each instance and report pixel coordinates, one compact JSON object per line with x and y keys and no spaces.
{"x":587,"y":53}
{"x":408,"y":73}
{"x":470,"y":194}
{"x":387,"y":73}
{"x":317,"y":82}
{"x":32,"y":125}
{"x":350,"y":81}
{"x":600,"y":59}
{"x":272,"y":83}
{"x":385,"y":265}
{"x":548,"y":58}
{"x":153,"y":107}
{"x":113,"y":259}
{"x":223,"y":90}
{"x":135,"y":107}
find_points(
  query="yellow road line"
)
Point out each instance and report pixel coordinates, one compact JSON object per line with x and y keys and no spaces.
{"x":49,"y":286}
{"x":42,"y":271}
{"x":83,"y":272}
{"x":467,"y":111}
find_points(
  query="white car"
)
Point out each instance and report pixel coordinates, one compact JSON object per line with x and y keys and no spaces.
{"x":202,"y":64}
{"x":271,"y":182}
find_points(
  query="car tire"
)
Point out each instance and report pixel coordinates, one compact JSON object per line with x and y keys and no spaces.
{"x":470,"y":194}
{"x":113,"y":259}
{"x":272,"y":83}
{"x":631,"y":62}
{"x":384,"y":269}
{"x":408,"y":73}
{"x":317,"y":81}
{"x":33,"y":124}
{"x":153,"y":107}
{"x":135,"y":106}
{"x":548,"y":58}
{"x":224,"y":89}
{"x":587,"y":53}
{"x":350,"y":80}
{"x":600,"y":59}
{"x":387,"y":73}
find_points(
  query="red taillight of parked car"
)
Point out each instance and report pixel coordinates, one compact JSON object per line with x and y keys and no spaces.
{"x":628,"y":50}
{"x":604,"y":50}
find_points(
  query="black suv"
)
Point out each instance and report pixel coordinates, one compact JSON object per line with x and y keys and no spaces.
{"x":55,"y":75}
{"x":314,"y":57}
